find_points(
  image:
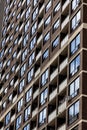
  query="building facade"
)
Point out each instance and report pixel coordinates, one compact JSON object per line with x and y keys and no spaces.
{"x":43,"y":65}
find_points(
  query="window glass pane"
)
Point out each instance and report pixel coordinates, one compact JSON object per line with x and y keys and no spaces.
{"x":74,"y":87}
{"x":55,"y":43}
{"x":74,"y":65}
{"x":44,"y":78}
{"x":73,"y":112}
{"x":74,"y":45}
{"x":76,"y":108}
{"x":76,"y":20}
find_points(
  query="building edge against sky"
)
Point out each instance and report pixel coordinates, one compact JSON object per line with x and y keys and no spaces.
{"x":43,"y":64}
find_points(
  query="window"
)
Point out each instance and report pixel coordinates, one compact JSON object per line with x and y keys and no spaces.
{"x":13,"y":68}
{"x":4,"y":31}
{"x":23,"y":69}
{"x":30,"y":74}
{"x":29,"y":95}
{"x":7,"y":10}
{"x":4,"y":104}
{"x":74,"y":45}
{"x":32,"y":43}
{"x":20,"y":104}
{"x":27,"y":113}
{"x":10,"y":97}
{"x":18,"y":16}
{"x":16,"y":41}
{"x":27,"y":26}
{"x":74,"y":88}
{"x":31,"y":58}
{"x":7,"y":76}
{"x":28,"y":12}
{"x":7,"y":1}
{"x":25,"y":41}
{"x":74,"y":66}
{"x":11,"y":82}
{"x":35,"y":2}
{"x":45,"y":55}
{"x":47,"y":21}
{"x":11,"y":38}
{"x":56,"y":8}
{"x":6,"y":90}
{"x":10,"y":50}
{"x":14,"y":55}
{"x":43,"y":96}
{"x":7,"y":118}
{"x":27,"y":127}
{"x":75,"y":4}
{"x":33,"y":29}
{"x":17,"y":28}
{"x":28,"y":1}
{"x":12,"y":25}
{"x":76,"y":20}
{"x":44,"y":78}
{"x":55,"y":43}
{"x":8,"y":63}
{"x":1,"y":53}
{"x":35,"y":13}
{"x":21,"y":85}
{"x":46,"y":37}
{"x":42,"y":117}
{"x":18,"y":122}
{"x":3,"y":43}
{"x":73,"y":112}
{"x":19,"y":4}
{"x":48,"y":5}
{"x":55,"y":25}
{"x":24,"y":54}
{"x":1,"y":64}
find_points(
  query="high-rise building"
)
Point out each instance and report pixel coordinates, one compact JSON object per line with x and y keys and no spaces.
{"x":43,"y":64}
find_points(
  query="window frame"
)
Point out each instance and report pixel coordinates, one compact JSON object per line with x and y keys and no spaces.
{"x":75,"y":112}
